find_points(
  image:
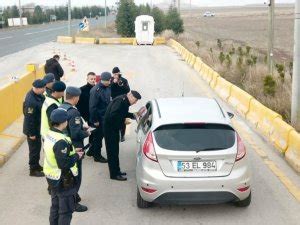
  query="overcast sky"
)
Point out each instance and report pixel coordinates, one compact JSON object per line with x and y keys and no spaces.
{"x":111,"y":2}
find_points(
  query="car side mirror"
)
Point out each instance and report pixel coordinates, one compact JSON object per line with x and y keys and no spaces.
{"x":231,"y":115}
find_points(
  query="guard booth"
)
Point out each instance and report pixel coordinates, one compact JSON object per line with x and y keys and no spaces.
{"x":144,"y":30}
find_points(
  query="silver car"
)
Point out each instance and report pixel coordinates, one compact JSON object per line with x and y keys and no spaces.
{"x":189,"y":153}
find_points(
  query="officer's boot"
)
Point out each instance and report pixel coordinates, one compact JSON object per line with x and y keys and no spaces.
{"x":80,"y":208}
{"x":36,"y":173}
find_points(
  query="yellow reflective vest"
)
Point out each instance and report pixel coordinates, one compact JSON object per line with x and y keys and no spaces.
{"x":44,"y":118}
{"x":50,"y":168}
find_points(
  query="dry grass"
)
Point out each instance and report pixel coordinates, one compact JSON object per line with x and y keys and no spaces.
{"x":248,"y":77}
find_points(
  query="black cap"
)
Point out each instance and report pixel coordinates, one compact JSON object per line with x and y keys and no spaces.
{"x":59,"y":86}
{"x":49,"y":77}
{"x":59,"y":116}
{"x":105,"y":76}
{"x":39,"y":83}
{"x":73,"y":91}
{"x":136,"y":95}
{"x":116,"y":70}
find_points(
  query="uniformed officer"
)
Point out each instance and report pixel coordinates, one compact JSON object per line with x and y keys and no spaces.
{"x":100,"y":97}
{"x":77,"y":131}
{"x":32,"y":124}
{"x":52,"y":102}
{"x":114,"y":117}
{"x":119,"y":86}
{"x":60,"y":168}
{"x":49,"y":80}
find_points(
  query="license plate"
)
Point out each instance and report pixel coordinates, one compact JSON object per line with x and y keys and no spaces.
{"x":183,"y":166}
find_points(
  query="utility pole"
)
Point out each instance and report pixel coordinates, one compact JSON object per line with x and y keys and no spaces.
{"x":296,"y":70}
{"x":178,"y":7}
{"x":105,"y":11}
{"x":271,"y":37}
{"x":69,"y":17}
{"x":20,"y":13}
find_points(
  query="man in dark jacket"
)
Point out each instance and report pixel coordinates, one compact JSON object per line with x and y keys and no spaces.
{"x":115,"y":114}
{"x":32,"y":125}
{"x":53,"y":66}
{"x":83,"y":104}
{"x":77,"y":131}
{"x":100,"y":97}
{"x":119,"y":86}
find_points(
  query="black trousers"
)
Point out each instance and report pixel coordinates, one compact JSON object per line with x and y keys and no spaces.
{"x":62,"y":207}
{"x":112,"y":139}
{"x":34,"y":152}
{"x":123,"y":129}
{"x":79,"y":166}
{"x":96,"y":141}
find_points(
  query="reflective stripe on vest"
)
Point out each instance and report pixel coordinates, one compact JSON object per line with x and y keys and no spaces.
{"x":44,"y":118}
{"x":51,"y":169}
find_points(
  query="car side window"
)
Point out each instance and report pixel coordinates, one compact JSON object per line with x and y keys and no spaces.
{"x":146,"y":121}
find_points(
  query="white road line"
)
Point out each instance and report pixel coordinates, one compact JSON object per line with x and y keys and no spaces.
{"x":6,"y":38}
{"x":42,"y":31}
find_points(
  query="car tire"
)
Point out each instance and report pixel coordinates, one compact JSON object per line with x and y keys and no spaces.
{"x":141,"y":203}
{"x":244,"y":203}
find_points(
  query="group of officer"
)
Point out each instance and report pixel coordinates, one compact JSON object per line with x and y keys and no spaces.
{"x":52,"y":118}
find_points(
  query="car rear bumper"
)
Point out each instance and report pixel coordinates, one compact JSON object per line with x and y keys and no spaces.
{"x":178,"y":190}
{"x":196,"y":198}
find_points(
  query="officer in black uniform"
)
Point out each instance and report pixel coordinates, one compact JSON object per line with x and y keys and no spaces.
{"x":32,"y":125}
{"x":114,"y":117}
{"x":100,"y":97}
{"x":119,"y":86}
{"x":49,"y":80}
{"x":60,"y":169}
{"x":77,"y":131}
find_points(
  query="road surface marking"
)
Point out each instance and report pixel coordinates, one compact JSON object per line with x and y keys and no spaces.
{"x":3,"y":38}
{"x":47,"y":30}
{"x":289,"y":185}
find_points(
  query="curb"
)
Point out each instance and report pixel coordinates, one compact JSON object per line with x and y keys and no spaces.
{"x":11,"y":139}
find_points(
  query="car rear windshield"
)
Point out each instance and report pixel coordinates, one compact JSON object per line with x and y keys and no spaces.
{"x":195,"y":137}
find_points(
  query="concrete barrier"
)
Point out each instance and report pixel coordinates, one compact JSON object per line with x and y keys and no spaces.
{"x":262,"y":117}
{"x":279,"y":134}
{"x":159,"y":41}
{"x":84,"y":40}
{"x":292,"y":155}
{"x":116,"y":41}
{"x":240,"y":100}
{"x":214,"y":79}
{"x":65,"y":39}
{"x":198,"y":64}
{"x":223,"y":88}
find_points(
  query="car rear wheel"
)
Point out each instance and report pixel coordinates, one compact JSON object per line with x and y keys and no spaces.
{"x":244,"y":203}
{"x":141,"y":203}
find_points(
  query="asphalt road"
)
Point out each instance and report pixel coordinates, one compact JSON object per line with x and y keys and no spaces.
{"x":155,"y":72}
{"x":17,"y":39}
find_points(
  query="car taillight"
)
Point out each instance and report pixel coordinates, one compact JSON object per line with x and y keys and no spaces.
{"x":148,"y":190}
{"x":148,"y":148}
{"x":241,"y":151}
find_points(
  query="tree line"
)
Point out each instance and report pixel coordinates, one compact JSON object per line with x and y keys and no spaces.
{"x":128,"y":11}
{"x":43,"y":16}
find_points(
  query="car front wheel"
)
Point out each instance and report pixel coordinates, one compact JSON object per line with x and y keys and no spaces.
{"x":141,"y":203}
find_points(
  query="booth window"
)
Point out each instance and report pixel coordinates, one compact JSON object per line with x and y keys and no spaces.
{"x":145,"y":26}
